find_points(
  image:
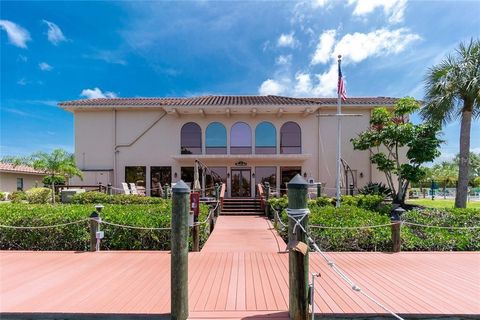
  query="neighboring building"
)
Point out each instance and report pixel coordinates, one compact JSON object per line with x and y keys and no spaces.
{"x":19,"y":178}
{"x":244,"y":140}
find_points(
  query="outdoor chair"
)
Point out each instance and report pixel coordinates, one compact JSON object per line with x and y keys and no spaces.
{"x":126,"y":190}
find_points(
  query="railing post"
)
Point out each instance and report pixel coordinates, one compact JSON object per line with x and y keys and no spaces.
{"x":95,"y":234}
{"x":109,"y":189}
{"x":165,"y":191}
{"x":396,"y":228}
{"x":319,"y":190}
{"x":217,"y":198}
{"x":179,"y":253}
{"x":267,"y":196}
{"x":298,"y":249}
{"x":195,"y":235}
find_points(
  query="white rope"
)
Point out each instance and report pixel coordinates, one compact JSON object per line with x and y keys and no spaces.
{"x":132,"y":227}
{"x":210,"y":213}
{"x":439,"y":227}
{"x":44,"y":227}
{"x":297,"y":215}
{"x":352,"y":228}
{"x":278,"y":217}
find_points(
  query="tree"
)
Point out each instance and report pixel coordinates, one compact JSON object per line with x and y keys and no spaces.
{"x":446,"y":173}
{"x":452,"y":91}
{"x":59,"y":163}
{"x":398,"y":147}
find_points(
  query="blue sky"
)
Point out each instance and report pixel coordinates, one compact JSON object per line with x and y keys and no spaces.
{"x":55,"y":51}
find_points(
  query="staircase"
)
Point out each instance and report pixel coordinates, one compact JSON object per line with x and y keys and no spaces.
{"x":242,"y":206}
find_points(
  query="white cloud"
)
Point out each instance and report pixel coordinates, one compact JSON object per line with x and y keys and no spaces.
{"x":393,"y":9}
{"x":17,"y":35}
{"x":271,"y":87}
{"x":23,"y":82}
{"x":287,"y":40}
{"x":45,"y":66}
{"x":357,"y":47}
{"x":319,"y":3}
{"x":303,"y":84}
{"x":96,"y":93}
{"x":54,"y":33}
{"x":324,"y":48}
{"x":283,"y":59}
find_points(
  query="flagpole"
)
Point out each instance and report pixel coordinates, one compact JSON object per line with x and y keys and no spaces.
{"x":339,"y":131}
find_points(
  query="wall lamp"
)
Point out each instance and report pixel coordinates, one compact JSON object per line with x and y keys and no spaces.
{"x":305,"y":175}
{"x":175,"y":175}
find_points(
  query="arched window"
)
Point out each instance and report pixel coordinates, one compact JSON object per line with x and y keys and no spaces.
{"x":265,"y":138}
{"x":216,"y":138}
{"x":191,"y":139}
{"x":240,"y":139}
{"x":290,"y":138}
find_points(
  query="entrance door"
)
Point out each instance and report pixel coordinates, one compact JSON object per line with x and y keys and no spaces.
{"x":241,"y":183}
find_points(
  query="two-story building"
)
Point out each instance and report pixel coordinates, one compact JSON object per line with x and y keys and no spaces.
{"x":243,"y":140}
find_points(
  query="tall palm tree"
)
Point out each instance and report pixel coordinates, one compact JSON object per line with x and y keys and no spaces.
{"x":453,"y":91}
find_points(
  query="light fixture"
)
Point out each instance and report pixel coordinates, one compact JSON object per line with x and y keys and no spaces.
{"x":175,"y":175}
{"x":228,"y":174}
{"x":305,"y":175}
{"x":253,"y":175}
{"x":361,"y":174}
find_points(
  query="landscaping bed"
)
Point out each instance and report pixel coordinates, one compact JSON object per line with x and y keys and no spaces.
{"x":414,"y":238}
{"x":77,"y":236}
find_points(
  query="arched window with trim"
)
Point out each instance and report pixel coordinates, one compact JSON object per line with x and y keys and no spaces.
{"x":240,"y":139}
{"x":216,"y":138}
{"x":265,"y":138}
{"x":290,"y":138}
{"x":191,"y":139}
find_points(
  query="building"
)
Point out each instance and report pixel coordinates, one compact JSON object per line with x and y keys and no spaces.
{"x":19,"y":178}
{"x":243,"y":140}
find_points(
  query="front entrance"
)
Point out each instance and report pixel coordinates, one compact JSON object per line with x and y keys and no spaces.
{"x":241,"y":183}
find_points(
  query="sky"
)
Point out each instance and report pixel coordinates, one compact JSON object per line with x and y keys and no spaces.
{"x":56,"y":51}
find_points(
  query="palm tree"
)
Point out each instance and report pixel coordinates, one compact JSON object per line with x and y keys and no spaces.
{"x":57,"y":163}
{"x":452,"y":91}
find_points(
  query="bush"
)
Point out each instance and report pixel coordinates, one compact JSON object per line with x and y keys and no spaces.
{"x":2,"y":196}
{"x":18,"y":196}
{"x":39,"y":195}
{"x":94,"y":197}
{"x":77,"y":236}
{"x":376,"y":188}
{"x":369,"y":202}
{"x":414,"y":238}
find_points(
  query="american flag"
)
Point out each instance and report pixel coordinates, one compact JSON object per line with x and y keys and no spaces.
{"x":342,"y":91}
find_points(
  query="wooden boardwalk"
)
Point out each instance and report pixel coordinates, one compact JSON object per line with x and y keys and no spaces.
{"x":234,"y":277}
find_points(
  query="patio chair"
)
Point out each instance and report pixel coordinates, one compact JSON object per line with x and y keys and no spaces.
{"x":126,"y":190}
{"x":133,"y":188}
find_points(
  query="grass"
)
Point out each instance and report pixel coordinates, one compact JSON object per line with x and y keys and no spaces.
{"x":441,"y":203}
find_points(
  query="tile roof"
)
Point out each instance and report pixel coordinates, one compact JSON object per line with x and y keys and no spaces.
{"x":224,"y":101}
{"x":10,"y":167}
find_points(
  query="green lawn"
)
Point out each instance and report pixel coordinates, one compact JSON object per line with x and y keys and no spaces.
{"x":441,"y":203}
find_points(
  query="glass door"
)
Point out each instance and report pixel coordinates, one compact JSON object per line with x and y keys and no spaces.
{"x":241,"y":183}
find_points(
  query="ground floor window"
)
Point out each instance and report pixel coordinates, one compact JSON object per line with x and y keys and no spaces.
{"x":19,"y":184}
{"x":266,"y":174}
{"x":136,"y":174}
{"x":159,"y":177}
{"x":187,"y":175}
{"x":287,"y":174}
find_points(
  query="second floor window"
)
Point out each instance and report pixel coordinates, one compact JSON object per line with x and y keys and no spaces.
{"x":191,"y":139}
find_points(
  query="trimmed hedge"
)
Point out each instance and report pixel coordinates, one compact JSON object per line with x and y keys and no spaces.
{"x":77,"y":237}
{"x":379,"y":239}
{"x":39,"y":195}
{"x":94,"y":197}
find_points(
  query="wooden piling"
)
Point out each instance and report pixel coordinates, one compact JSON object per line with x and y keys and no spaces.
{"x":196,"y":238}
{"x":94,"y":227}
{"x":297,"y":260}
{"x":319,"y":190}
{"x":267,"y":196}
{"x":179,"y":253}
{"x":396,"y":228}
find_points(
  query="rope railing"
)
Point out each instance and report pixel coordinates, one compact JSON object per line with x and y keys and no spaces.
{"x":297,"y":215}
{"x":45,"y":227}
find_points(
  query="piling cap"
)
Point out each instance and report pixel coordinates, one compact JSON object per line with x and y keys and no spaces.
{"x":181,"y":187}
{"x":298,"y":182}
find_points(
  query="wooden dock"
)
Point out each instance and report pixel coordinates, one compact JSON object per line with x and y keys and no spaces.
{"x":238,"y":275}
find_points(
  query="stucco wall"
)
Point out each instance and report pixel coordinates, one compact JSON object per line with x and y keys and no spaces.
{"x":8,"y":181}
{"x":96,"y":138}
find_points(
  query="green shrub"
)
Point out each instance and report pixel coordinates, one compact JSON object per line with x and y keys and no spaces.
{"x":2,"y":196}
{"x":39,"y":195}
{"x":18,"y":196}
{"x":94,"y":197}
{"x":414,"y":238}
{"x":76,"y":236}
{"x":376,"y":188}
{"x":57,"y":180}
